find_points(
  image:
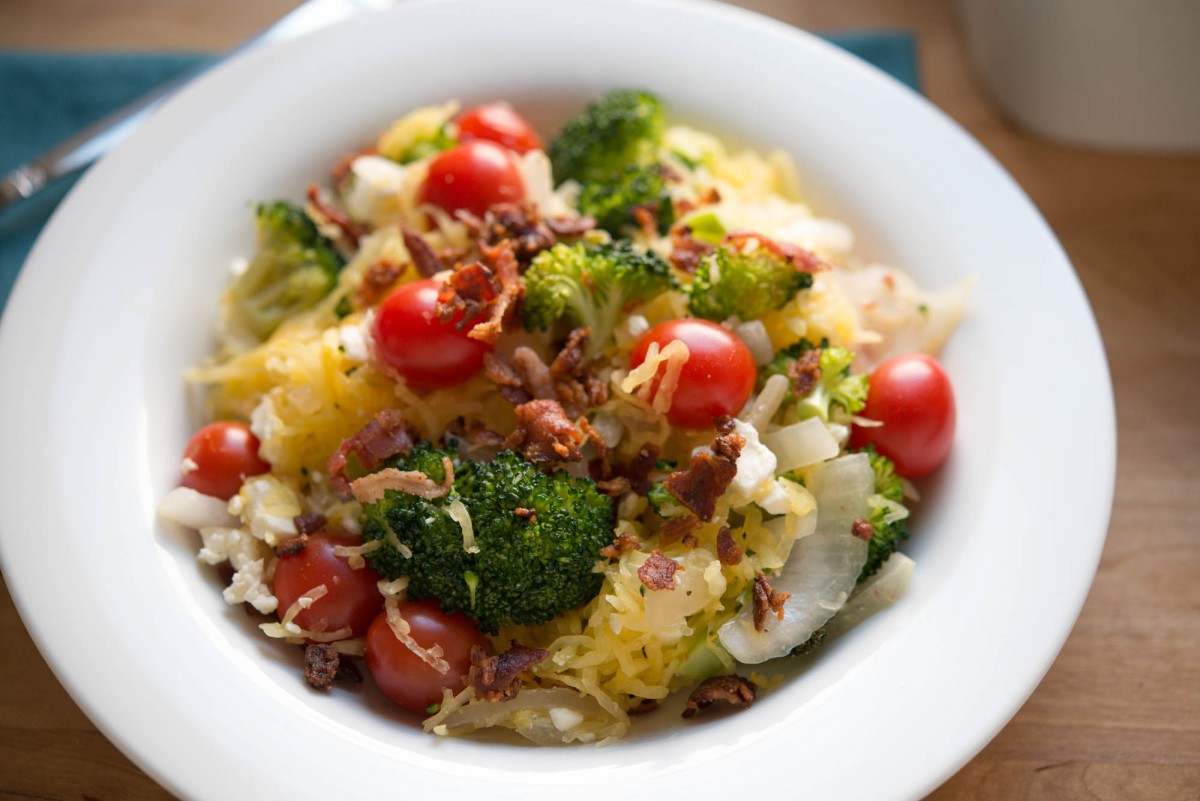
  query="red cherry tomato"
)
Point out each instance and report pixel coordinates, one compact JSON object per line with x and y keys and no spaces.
{"x":402,"y":675}
{"x":410,"y":339}
{"x":351,"y":597}
{"x":912,"y":397}
{"x":219,"y":457}
{"x":497,"y":122}
{"x":472,"y":176}
{"x":717,"y":378}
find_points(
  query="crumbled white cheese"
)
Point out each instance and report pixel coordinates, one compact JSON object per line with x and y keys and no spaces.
{"x":755,"y":465}
{"x":268,"y":509}
{"x":374,"y":189}
{"x":188,"y":465}
{"x":187,"y":507}
{"x":353,"y":338}
{"x":264,"y":422}
{"x":248,"y":557}
{"x":247,"y":586}
{"x":565,"y":719}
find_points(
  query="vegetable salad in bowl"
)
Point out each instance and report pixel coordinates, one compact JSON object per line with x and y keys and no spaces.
{"x":541,"y":433}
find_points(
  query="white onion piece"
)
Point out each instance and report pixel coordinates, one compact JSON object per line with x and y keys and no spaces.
{"x":537,"y":724}
{"x":842,"y":487}
{"x":187,"y":507}
{"x":757,"y":340}
{"x":763,"y":407}
{"x":801,"y":444}
{"x":820,"y":575}
{"x":876,"y":593}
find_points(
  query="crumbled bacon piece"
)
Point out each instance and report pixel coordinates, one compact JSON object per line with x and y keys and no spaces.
{"x":676,"y":528}
{"x":292,"y":546}
{"x":495,"y":678}
{"x":640,"y":467}
{"x":423,"y":257}
{"x":658,"y":571}
{"x":613,"y":487}
{"x":625,"y":541}
{"x":862,"y":528}
{"x":766,"y":600}
{"x":689,"y":541}
{"x":385,"y":436}
{"x":320,"y":665}
{"x":705,"y":480}
{"x":309,"y":522}
{"x":520,"y":224}
{"x":728,"y":553}
{"x":526,"y":514}
{"x":644,"y":707}
{"x":377,"y":279}
{"x":575,"y":384}
{"x":341,"y":168}
{"x":735,"y":690}
{"x":535,"y":375}
{"x":501,"y":371}
{"x":646,"y":216}
{"x":800,"y":258}
{"x":349,"y":230}
{"x":371,"y":487}
{"x":805,"y":372}
{"x":602,"y":464}
{"x":570,"y":226}
{"x":475,"y":433}
{"x":512,"y":289}
{"x":544,"y":433}
{"x":686,"y":251}
{"x":471,"y":289}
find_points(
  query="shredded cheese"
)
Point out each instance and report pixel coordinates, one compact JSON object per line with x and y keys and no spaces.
{"x":460,"y":514}
{"x":434,"y":657}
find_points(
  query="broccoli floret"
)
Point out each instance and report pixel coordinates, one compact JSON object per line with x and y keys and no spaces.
{"x":589,"y":285}
{"x":528,"y":568}
{"x":292,"y":269}
{"x":621,"y":129}
{"x":747,"y":285}
{"x":836,"y":384}
{"x":612,"y":202}
{"x":888,"y":513}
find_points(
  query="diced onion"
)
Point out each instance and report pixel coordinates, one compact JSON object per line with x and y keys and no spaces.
{"x":187,"y":507}
{"x":842,"y":487}
{"x":801,"y":444}
{"x":875,"y":594}
{"x":820,"y":575}
{"x":754,"y":335}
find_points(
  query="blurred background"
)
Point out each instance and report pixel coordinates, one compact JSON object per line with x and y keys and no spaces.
{"x":1093,"y":107}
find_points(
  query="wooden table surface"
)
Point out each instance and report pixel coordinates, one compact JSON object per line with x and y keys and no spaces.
{"x":1118,"y":714}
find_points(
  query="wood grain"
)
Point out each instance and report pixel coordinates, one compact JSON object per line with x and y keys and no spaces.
{"x":1118,"y":715}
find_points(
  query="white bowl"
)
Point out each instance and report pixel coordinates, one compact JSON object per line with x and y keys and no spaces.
{"x":119,"y":296}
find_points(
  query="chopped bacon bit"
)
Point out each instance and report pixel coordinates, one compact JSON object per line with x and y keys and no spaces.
{"x":383,"y":437}
{"x":371,"y":487}
{"x":728,"y":553}
{"x":292,"y":545}
{"x":320,"y":665}
{"x":734,"y":689}
{"x":506,"y":268}
{"x":544,"y":433}
{"x":495,"y":678}
{"x":689,"y":541}
{"x":625,"y":541}
{"x":705,"y":480}
{"x":766,"y":600}
{"x":646,"y":216}
{"x":800,"y":258}
{"x":526,"y":514}
{"x":570,"y":226}
{"x":350,"y":230}
{"x":471,"y":288}
{"x":686,"y":251}
{"x":658,"y":571}
{"x":644,"y":707}
{"x":805,"y":372}
{"x":377,"y":280}
{"x":309,"y":522}
{"x":676,"y":528}
{"x":535,"y":375}
{"x":475,"y":433}
{"x":520,"y":224}
{"x":574,"y":382}
{"x":640,"y":467}
{"x":348,"y":672}
{"x":613,"y":487}
{"x":423,"y":257}
{"x":501,"y":371}
{"x":862,"y":528}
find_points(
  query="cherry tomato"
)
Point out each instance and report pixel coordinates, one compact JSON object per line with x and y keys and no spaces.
{"x":219,"y":457}
{"x":351,"y":598}
{"x":410,"y":339}
{"x":472,"y":176}
{"x":912,"y":397}
{"x":717,"y":378}
{"x":497,"y":122}
{"x":402,"y":675}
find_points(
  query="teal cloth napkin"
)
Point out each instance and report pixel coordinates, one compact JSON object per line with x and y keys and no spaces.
{"x":46,"y":97}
